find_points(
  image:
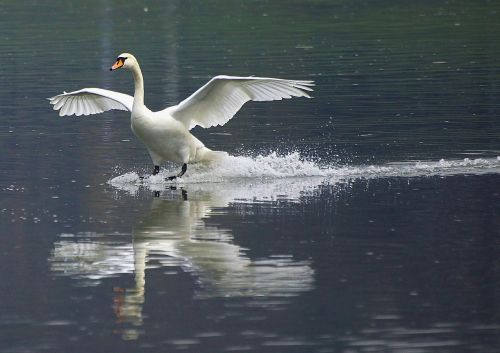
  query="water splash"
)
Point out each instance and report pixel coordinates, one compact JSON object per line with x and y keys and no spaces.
{"x":273,"y":177}
{"x":260,"y":173}
{"x":292,"y":165}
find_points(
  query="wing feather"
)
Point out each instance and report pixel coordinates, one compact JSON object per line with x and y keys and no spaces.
{"x":86,"y":107}
{"x":80,"y":109}
{"x":220,"y":99}
{"x":90,"y":101}
{"x":66,"y":107}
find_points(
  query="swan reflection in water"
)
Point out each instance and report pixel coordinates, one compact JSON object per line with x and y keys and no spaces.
{"x":175,"y":234}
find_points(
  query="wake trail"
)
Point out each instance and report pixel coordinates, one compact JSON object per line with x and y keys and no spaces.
{"x":275,"y":167}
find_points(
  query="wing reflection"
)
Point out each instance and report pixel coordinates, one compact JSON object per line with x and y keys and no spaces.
{"x":176,"y":234}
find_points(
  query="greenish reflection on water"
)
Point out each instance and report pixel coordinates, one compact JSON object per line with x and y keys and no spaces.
{"x":389,"y":254}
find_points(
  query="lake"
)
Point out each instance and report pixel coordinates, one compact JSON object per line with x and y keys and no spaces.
{"x":365,"y":219}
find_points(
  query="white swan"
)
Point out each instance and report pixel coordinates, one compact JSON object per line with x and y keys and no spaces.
{"x":166,"y":133}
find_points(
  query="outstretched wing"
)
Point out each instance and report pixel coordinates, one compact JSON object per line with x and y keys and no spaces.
{"x":218,"y":101}
{"x":91,"y":101}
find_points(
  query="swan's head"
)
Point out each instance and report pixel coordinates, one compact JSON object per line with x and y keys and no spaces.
{"x":125,"y":60}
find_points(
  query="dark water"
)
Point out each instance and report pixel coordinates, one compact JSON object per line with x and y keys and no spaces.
{"x":364,"y":220}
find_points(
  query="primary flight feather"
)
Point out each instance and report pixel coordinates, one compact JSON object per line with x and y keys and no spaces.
{"x":166,"y":133}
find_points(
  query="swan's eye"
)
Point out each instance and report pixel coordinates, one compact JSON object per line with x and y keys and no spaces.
{"x":121,"y":58}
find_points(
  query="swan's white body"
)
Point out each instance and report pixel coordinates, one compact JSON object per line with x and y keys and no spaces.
{"x":166,"y":133}
{"x":167,"y":139}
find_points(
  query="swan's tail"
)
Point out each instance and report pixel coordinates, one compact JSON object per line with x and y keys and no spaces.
{"x":206,"y":155}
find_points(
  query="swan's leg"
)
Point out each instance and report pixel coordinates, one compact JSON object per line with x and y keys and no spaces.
{"x":183,"y":170}
{"x":157,"y":160}
{"x":181,"y":173}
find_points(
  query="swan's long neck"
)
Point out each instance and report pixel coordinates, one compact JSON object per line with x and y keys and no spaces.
{"x":139,"y":87}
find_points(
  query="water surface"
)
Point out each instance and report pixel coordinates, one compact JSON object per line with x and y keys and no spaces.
{"x":363,"y":220}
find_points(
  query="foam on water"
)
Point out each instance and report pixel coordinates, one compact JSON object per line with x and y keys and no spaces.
{"x":414,"y":169}
{"x":288,"y":169}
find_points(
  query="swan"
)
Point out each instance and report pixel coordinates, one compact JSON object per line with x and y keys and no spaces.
{"x":166,"y":133}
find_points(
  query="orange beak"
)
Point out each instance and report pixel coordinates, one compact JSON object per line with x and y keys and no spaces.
{"x":117,"y":64}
